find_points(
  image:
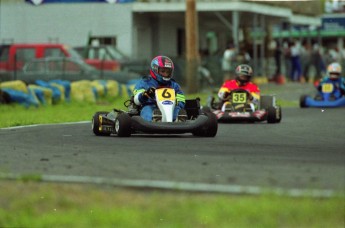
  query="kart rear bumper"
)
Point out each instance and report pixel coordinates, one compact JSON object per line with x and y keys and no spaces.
{"x":228,"y":117}
{"x":310,"y":102}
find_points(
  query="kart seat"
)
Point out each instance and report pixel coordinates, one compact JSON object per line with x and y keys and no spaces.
{"x":192,"y":108}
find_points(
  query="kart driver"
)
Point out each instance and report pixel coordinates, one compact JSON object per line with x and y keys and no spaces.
{"x":334,"y":77}
{"x":161,"y":73}
{"x":242,"y":80}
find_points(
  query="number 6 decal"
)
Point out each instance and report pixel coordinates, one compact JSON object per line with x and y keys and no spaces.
{"x":166,"y":94}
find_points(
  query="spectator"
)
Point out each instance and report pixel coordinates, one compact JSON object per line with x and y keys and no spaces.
{"x":229,"y":56}
{"x":277,"y":59}
{"x":296,"y":69}
{"x":287,"y":56}
{"x":305,"y":60}
{"x":317,"y":61}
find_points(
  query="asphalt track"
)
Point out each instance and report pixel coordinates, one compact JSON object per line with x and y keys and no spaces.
{"x":304,"y":151}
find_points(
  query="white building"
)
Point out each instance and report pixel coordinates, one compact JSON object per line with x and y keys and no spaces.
{"x":140,"y":28}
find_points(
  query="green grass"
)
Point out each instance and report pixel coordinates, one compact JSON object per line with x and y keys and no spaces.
{"x":17,"y":115}
{"x":35,"y":204}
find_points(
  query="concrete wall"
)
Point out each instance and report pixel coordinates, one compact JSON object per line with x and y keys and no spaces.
{"x":142,"y":36}
{"x":156,"y":34}
{"x":168,"y":27}
{"x":66,"y":23}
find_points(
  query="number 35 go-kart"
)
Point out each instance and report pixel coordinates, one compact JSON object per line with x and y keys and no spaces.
{"x":239,"y":109}
{"x":124,"y":123}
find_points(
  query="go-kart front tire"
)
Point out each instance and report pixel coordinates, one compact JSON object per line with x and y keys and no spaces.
{"x":211,"y":127}
{"x":272,"y":115}
{"x":96,"y":123}
{"x":279,"y":113}
{"x":123,"y":125}
{"x":302,"y":102}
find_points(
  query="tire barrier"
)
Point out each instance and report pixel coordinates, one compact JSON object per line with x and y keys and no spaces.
{"x":15,"y":85}
{"x":56,"y":91}
{"x":83,"y":91}
{"x":44,"y":95}
{"x":18,"y":92}
{"x":26,"y":99}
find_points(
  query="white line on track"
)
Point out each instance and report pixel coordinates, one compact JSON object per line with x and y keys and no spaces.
{"x":50,"y":124}
{"x":180,"y":186}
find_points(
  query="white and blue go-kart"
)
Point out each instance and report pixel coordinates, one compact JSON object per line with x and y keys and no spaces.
{"x":125,"y":123}
{"x":324,"y":99}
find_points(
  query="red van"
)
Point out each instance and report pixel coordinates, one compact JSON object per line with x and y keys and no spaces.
{"x":14,"y":56}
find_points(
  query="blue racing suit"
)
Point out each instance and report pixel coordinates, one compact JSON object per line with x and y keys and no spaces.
{"x":338,"y":84}
{"x":148,"y":104}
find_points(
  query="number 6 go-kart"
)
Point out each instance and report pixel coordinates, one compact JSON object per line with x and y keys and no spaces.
{"x":329,"y":96}
{"x":239,"y":109}
{"x":124,"y":123}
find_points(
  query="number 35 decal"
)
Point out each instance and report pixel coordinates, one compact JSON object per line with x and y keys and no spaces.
{"x":239,"y":97}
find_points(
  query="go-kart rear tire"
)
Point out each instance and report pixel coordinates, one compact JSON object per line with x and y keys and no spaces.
{"x":302,"y":102}
{"x":279,"y":117}
{"x":211,"y":126}
{"x":96,"y":123}
{"x":123,"y":125}
{"x":272,"y":115}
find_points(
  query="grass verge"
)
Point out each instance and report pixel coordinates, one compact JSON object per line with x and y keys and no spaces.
{"x":35,"y":204}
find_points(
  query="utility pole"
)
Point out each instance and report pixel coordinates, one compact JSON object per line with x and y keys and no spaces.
{"x":192,"y":46}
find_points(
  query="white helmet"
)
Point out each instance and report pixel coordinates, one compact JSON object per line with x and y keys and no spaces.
{"x":334,"y":70}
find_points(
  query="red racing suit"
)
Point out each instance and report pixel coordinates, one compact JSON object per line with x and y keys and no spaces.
{"x":230,"y":85}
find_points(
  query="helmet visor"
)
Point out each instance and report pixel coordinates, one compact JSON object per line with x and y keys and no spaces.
{"x":165,"y":72}
{"x":334,"y":75}
{"x":243,"y":78}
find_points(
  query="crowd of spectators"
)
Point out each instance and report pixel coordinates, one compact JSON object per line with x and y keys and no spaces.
{"x":305,"y":61}
{"x":293,"y":60}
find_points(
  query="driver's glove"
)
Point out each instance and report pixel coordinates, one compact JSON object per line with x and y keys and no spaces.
{"x":319,"y":88}
{"x":224,"y":95}
{"x":253,"y":100}
{"x":149,"y":93}
{"x":250,"y":97}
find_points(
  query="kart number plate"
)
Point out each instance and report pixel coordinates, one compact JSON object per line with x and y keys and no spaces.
{"x":327,"y":88}
{"x":165,"y":94}
{"x":239,"y":98}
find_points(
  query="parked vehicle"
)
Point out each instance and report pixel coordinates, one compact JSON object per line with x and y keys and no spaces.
{"x":14,"y":56}
{"x":108,"y":57}
{"x":70,"y":69}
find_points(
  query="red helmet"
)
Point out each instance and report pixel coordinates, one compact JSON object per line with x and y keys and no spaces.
{"x":161,"y":62}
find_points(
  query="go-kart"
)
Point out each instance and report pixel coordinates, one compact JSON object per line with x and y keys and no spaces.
{"x":125,"y":123}
{"x":238,"y":109}
{"x":329,"y":96}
